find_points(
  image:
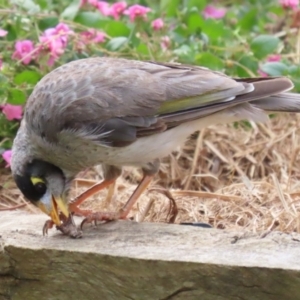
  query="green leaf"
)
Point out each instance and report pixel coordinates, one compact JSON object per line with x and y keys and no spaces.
{"x":46,"y":23}
{"x":116,"y":28}
{"x":142,"y":49}
{"x":16,"y":97}
{"x":249,"y":66}
{"x":297,"y":85}
{"x":183,"y":50}
{"x":3,"y":79}
{"x":275,"y":68}
{"x":200,"y":4}
{"x":71,"y":11}
{"x":215,"y":30}
{"x":294,"y":71}
{"x":90,"y":19}
{"x":29,"y":77}
{"x":194,"y":23}
{"x":12,"y":32}
{"x":43,"y":4}
{"x":28,"y":5}
{"x":264,"y":45}
{"x":248,"y":21}
{"x":170,"y":7}
{"x":116,"y":43}
{"x":209,"y":60}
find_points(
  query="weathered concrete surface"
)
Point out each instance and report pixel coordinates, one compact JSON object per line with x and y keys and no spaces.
{"x":126,"y":260}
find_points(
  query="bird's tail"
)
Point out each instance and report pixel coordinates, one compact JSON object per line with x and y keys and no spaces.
{"x":284,"y":102}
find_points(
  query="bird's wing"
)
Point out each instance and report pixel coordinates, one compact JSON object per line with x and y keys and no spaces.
{"x":116,"y":100}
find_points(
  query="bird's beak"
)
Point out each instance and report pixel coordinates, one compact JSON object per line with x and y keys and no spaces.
{"x":57,"y":203}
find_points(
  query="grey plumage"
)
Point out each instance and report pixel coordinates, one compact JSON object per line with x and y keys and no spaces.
{"x":121,"y":112}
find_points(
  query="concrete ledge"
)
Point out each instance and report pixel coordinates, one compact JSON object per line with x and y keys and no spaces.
{"x":126,"y":260}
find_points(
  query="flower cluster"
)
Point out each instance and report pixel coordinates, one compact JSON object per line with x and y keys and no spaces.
{"x":293,"y":4}
{"x":116,"y":10}
{"x":213,"y":12}
{"x":11,"y":112}
{"x":53,"y":40}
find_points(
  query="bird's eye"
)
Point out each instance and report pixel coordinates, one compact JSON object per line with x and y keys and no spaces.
{"x":40,"y":187}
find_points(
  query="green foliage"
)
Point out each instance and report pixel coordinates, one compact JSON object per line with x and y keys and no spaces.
{"x":117,"y":43}
{"x":71,"y":11}
{"x":264,"y":45}
{"x":238,"y":44}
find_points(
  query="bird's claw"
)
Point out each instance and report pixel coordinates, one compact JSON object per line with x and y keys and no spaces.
{"x":48,"y":225}
{"x":67,"y":227}
{"x":100,"y":217}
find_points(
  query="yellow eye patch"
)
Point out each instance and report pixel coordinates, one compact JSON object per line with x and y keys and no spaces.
{"x":36,"y":180}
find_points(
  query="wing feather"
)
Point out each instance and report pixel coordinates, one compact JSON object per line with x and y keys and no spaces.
{"x":116,"y":100}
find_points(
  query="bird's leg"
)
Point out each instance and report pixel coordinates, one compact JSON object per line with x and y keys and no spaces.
{"x":110,"y":173}
{"x":124,"y":211}
{"x":149,"y":173}
{"x":110,"y":194}
{"x":73,"y":206}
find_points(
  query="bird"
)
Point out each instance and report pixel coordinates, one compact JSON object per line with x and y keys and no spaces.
{"x":118,"y":112}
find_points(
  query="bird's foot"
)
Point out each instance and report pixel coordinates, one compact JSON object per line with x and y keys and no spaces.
{"x":48,"y":225}
{"x":102,"y":217}
{"x":67,"y":227}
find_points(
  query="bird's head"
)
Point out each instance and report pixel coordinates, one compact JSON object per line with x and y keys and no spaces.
{"x":45,"y":186}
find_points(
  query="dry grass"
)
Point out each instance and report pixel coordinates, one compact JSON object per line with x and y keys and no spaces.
{"x":235,"y":178}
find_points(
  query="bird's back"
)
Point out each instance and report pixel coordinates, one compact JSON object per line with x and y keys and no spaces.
{"x":85,"y":108}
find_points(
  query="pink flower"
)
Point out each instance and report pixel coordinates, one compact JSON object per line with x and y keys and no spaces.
{"x":63,"y":29}
{"x":92,"y":2}
{"x":99,"y":37}
{"x":6,"y":155}
{"x":93,"y":35}
{"x":136,"y":11}
{"x":3,"y":32}
{"x":274,"y":57}
{"x":55,"y":40}
{"x":12,"y":112}
{"x":157,"y":24}
{"x":117,"y":9}
{"x":289,"y":3}
{"x":103,"y":7}
{"x":23,"y":51}
{"x":165,"y":42}
{"x":262,"y":74}
{"x":213,"y":12}
{"x":270,"y":58}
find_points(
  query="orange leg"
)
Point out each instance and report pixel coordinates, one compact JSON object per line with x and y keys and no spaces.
{"x":73,"y":206}
{"x":110,"y":194}
{"x":135,"y":196}
{"x":122,"y":214}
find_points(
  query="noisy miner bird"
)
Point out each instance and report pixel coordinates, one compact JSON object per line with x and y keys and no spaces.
{"x":119,"y":112}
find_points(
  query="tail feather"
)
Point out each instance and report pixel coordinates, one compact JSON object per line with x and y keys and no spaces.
{"x":266,"y":88}
{"x":285,"y":102}
{"x":268,"y":95}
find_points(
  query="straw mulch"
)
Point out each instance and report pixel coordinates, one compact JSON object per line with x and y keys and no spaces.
{"x":241,"y":176}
